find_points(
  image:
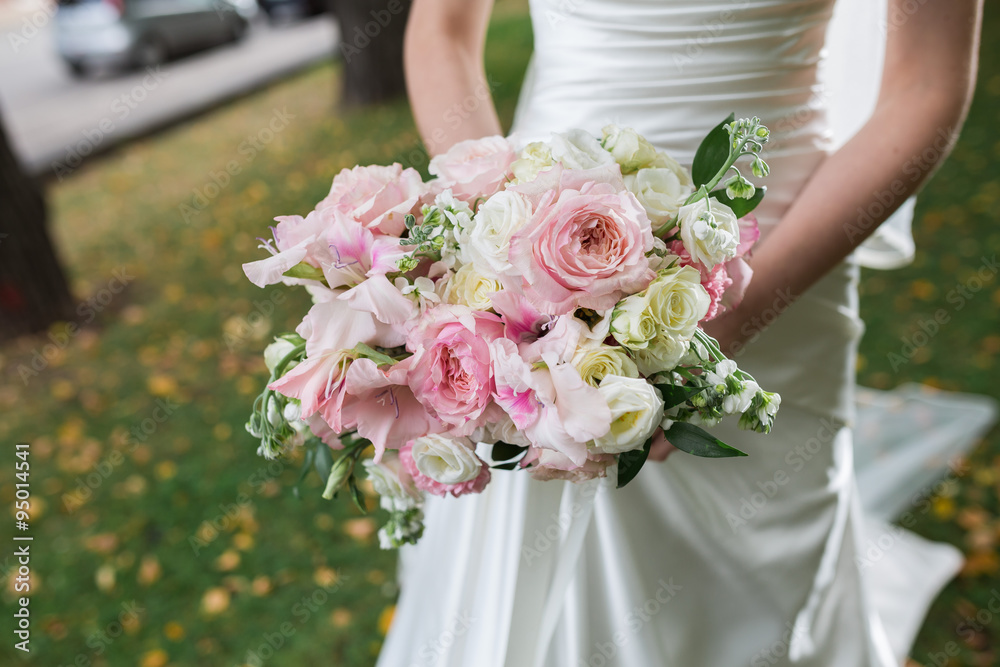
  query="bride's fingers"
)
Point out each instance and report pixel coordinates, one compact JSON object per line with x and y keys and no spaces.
{"x":661,"y":448}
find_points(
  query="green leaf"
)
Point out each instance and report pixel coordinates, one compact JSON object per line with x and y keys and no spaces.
{"x":630,"y":463}
{"x":323,"y":460}
{"x":306,"y":272}
{"x":674,"y":395}
{"x":740,"y":206}
{"x":713,"y":153}
{"x":357,"y":494}
{"x":695,"y":440}
{"x":307,"y":464}
{"x":366,"y":352}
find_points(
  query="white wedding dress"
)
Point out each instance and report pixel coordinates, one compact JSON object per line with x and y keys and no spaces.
{"x":764,"y":560}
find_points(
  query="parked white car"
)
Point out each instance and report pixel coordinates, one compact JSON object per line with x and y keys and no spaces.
{"x":144,"y":33}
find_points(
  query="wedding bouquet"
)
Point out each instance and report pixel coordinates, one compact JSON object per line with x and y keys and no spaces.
{"x":535,"y":309}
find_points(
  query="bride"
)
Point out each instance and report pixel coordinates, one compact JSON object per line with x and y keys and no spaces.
{"x":752,"y":561}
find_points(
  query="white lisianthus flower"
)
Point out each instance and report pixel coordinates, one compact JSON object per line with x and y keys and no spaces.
{"x":467,"y":287}
{"x":394,"y":494}
{"x":577,"y":149}
{"x":661,"y":191}
{"x":596,"y":361}
{"x":636,"y":412}
{"x":445,"y":459}
{"x":710,"y":231}
{"x":534,"y":158}
{"x":503,"y":430}
{"x":629,"y":148}
{"x":276,"y":351}
{"x":487,"y":243}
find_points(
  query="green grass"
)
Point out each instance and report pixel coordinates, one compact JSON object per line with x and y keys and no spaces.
{"x":188,"y":328}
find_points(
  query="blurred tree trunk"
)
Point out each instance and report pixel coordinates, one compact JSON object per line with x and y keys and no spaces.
{"x":33,"y":288}
{"x":371,"y":46}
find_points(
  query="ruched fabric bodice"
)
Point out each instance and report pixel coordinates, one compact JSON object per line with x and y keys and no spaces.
{"x":673,"y":69}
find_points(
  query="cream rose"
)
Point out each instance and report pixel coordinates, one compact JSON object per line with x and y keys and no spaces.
{"x":533,"y":159}
{"x":661,"y":191}
{"x":577,"y":149}
{"x":678,"y":301}
{"x":710,"y":231}
{"x":445,"y":459}
{"x":276,"y":351}
{"x":629,"y":148}
{"x":663,"y":353}
{"x":486,"y":243}
{"x":636,"y":412}
{"x":467,"y":287}
{"x":598,"y":361}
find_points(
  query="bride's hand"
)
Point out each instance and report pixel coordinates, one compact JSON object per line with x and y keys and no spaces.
{"x":661,"y":448}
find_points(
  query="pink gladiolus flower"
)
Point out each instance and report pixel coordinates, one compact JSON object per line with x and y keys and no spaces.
{"x":522,"y":321}
{"x":425,"y":483}
{"x":296,"y":239}
{"x":378,"y":197}
{"x":382,"y":408}
{"x":449,"y":371}
{"x":583,"y":248}
{"x":474,"y":168}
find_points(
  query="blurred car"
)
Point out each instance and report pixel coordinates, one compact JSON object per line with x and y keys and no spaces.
{"x":143,"y":33}
{"x":277,"y":10}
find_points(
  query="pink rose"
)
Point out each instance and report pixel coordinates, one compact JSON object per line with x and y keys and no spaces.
{"x":378,"y":197}
{"x":583,"y":248}
{"x":425,"y":483}
{"x":450,"y":370}
{"x":474,"y":168}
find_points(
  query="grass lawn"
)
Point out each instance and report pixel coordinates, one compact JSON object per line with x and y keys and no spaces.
{"x":161,"y":539}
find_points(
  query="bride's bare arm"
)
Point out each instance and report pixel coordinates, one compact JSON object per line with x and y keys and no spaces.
{"x":443,"y":56}
{"x":927,"y":86}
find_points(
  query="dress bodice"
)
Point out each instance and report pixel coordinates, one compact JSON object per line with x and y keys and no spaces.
{"x":672,"y":69}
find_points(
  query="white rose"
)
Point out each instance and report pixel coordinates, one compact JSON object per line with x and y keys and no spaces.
{"x":577,"y":149}
{"x":468,"y":288}
{"x":710,"y":231}
{"x":661,"y":191}
{"x":678,"y":301}
{"x":663,"y":353}
{"x":629,"y":148}
{"x":446,"y":459}
{"x":503,"y":430}
{"x":535,"y":158}
{"x":394,"y":493}
{"x":276,"y":351}
{"x":487,"y":243}
{"x":596,"y":361}
{"x":636,"y":412}
{"x":632,"y":323}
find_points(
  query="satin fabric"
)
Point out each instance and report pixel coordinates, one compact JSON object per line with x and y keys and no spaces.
{"x":752,"y":561}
